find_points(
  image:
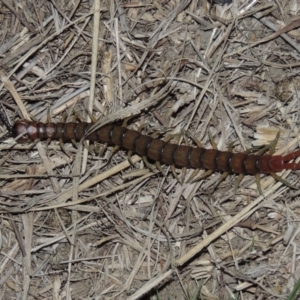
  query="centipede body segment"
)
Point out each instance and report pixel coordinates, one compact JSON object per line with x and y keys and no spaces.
{"x":158,"y":150}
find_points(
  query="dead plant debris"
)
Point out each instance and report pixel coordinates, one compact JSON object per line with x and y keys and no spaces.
{"x":78,"y":223}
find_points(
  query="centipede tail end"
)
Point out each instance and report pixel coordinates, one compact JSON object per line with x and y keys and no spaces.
{"x":278,"y":163}
{"x":292,"y":165}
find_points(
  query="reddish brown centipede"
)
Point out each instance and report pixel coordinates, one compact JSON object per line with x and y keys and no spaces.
{"x":158,"y":150}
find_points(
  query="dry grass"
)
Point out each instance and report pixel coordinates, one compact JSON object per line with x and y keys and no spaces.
{"x":76,"y":225}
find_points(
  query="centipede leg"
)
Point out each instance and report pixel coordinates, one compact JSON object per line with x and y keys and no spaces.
{"x":93,"y":118}
{"x":212,"y":141}
{"x":96,"y":149}
{"x":102,"y":149}
{"x":149,"y":166}
{"x":273,"y":144}
{"x":60,"y":141}
{"x":221,"y":178}
{"x":204,"y":175}
{"x":184,"y":169}
{"x":125,"y":122}
{"x":237,"y":183}
{"x":195,"y":140}
{"x":114,"y":150}
{"x":257,"y":179}
{"x":87,"y":146}
{"x":130,"y":152}
{"x":183,"y":174}
{"x":158,"y":165}
{"x":194,"y":175}
{"x":230,"y":146}
{"x":239,"y":179}
{"x":278,"y":178}
{"x":48,"y":141}
{"x":271,"y":147}
{"x":225,"y":174}
{"x":173,"y":169}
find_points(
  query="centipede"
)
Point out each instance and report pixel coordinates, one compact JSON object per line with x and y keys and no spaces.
{"x":167,"y":153}
{"x":158,"y":150}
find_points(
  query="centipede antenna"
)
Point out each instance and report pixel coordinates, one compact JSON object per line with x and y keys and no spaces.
{"x":5,"y":136}
{"x":5,"y":121}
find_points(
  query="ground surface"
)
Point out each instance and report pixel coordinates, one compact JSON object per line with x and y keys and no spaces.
{"x":77,"y":224}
